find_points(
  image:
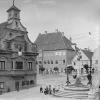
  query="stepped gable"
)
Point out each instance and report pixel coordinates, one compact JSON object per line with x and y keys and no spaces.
{"x":88,"y":53}
{"x":53,"y":41}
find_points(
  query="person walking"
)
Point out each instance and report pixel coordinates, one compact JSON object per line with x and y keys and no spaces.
{"x":49,"y":89}
{"x":41,"y":89}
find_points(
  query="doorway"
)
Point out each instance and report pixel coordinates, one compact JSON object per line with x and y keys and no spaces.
{"x":17,"y":86}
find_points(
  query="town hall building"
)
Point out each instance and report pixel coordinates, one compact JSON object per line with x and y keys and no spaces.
{"x":55,"y":51}
{"x":17,"y":54}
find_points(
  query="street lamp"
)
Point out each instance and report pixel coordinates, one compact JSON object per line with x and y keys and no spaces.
{"x":67,"y":71}
{"x":90,"y":76}
{"x":90,"y":73}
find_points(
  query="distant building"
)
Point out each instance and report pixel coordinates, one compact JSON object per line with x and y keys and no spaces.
{"x":82,"y":57}
{"x":55,"y":50}
{"x":96,"y":59}
{"x":17,"y":54}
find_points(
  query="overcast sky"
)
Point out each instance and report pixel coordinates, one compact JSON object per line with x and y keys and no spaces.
{"x":76,"y":18}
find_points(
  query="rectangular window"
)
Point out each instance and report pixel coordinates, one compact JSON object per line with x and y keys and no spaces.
{"x":23,"y":83}
{"x":56,"y":62}
{"x":1,"y":85}
{"x":2,"y":65}
{"x":36,"y":62}
{"x":44,"y":62}
{"x":19,"y":65}
{"x":48,"y":62}
{"x":64,"y":61}
{"x":40,"y":62}
{"x":30,"y":65}
{"x":12,"y":64}
{"x":8,"y":45}
{"x":31,"y":82}
{"x":51,"y":62}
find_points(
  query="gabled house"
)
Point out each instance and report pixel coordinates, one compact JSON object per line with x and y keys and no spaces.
{"x":82,"y":57}
{"x":55,"y":50}
{"x":96,"y":59}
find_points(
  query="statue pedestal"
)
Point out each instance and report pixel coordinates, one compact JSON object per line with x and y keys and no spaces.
{"x":78,"y":82}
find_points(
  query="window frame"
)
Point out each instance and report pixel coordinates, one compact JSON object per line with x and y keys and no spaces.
{"x":30,"y":64}
{"x":16,"y":66}
{"x":2,"y":65}
{"x":2,"y":83}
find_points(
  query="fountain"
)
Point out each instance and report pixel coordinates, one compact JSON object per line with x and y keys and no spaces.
{"x":76,"y":90}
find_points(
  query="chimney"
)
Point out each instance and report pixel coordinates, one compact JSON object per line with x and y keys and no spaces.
{"x":57,"y":30}
{"x":70,"y":39}
{"x":45,"y":32}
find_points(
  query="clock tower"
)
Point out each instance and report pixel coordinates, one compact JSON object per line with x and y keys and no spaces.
{"x":14,"y":18}
{"x":13,"y":13}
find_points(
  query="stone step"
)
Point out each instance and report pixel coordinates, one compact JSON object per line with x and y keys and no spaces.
{"x":68,"y":91}
{"x":71,"y":94}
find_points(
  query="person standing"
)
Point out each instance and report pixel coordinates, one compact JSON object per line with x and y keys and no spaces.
{"x":41,"y":89}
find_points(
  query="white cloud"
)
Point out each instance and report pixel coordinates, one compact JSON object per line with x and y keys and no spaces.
{"x":48,"y":2}
{"x":27,"y":1}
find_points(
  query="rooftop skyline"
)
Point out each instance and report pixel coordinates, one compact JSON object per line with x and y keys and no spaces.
{"x":76,"y":18}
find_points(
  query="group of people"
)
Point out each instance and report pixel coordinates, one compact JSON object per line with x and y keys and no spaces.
{"x":47,"y":90}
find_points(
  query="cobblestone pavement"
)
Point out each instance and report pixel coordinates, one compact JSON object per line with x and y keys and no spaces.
{"x":34,"y":94}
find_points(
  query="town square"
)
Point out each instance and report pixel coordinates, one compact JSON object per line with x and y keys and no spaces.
{"x":49,"y":50}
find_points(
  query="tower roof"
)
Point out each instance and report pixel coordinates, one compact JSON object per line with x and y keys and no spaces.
{"x":13,"y":7}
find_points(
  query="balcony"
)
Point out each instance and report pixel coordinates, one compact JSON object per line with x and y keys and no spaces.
{"x":16,"y":72}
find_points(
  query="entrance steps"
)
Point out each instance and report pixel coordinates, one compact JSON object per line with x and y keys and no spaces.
{"x":72,"y":93}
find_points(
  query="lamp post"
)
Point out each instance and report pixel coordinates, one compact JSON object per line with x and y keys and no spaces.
{"x":90,"y":73}
{"x":67,"y":71}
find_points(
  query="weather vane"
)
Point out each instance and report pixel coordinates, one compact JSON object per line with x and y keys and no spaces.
{"x":13,"y":2}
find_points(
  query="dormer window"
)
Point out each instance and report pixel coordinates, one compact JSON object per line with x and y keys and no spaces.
{"x":16,"y":24}
{"x":10,"y":34}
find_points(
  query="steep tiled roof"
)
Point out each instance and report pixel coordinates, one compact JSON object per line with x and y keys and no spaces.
{"x":13,"y":7}
{"x":67,"y":43}
{"x":88,"y":53}
{"x":53,"y":41}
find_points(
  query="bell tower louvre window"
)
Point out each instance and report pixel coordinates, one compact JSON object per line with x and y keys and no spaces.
{"x":19,"y":65}
{"x":2,"y":65}
{"x":13,"y":12}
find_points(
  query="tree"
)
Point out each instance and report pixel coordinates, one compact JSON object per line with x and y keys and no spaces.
{"x":42,"y":69}
{"x":69,"y":69}
{"x":56,"y":69}
{"x":86,"y":66}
